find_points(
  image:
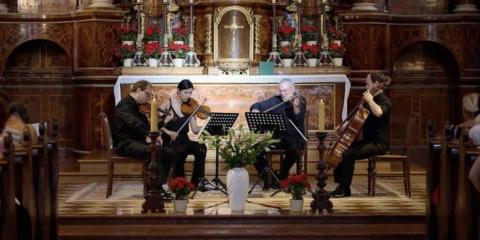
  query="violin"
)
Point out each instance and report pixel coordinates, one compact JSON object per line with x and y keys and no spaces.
{"x":301,"y":100}
{"x":189,"y":107}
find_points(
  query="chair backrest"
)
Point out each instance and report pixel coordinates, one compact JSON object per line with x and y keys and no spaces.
{"x":107,"y":133}
{"x":414,"y":117}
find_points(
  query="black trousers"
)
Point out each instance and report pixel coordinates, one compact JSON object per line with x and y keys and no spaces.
{"x":165,"y":156}
{"x":291,"y":157}
{"x":343,"y":173}
{"x":182,"y":150}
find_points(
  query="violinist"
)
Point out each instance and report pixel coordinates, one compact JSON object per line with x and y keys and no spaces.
{"x":130,"y":128}
{"x":292,"y":107}
{"x":375,"y":140}
{"x":175,"y":133}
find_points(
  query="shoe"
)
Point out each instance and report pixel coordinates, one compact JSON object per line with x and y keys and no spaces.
{"x":202,"y":186}
{"x":340,"y":192}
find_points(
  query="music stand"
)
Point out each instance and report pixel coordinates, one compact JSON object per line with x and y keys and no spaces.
{"x":219,"y":125}
{"x":266,"y":122}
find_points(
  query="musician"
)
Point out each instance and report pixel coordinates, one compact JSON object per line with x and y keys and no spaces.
{"x":130,"y":128}
{"x":375,"y":141}
{"x":471,"y":113}
{"x":177,"y":138}
{"x":292,"y":107}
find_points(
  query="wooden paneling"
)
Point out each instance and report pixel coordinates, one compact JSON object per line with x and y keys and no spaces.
{"x":418,"y":7}
{"x":365,"y":44}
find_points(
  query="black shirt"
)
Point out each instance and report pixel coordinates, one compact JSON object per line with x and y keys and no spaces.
{"x":375,"y":128}
{"x":129,"y":124}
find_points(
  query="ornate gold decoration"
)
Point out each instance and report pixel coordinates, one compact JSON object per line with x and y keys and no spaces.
{"x":257,"y":33}
{"x":172,"y":6}
{"x":234,"y":68}
{"x":208,"y":42}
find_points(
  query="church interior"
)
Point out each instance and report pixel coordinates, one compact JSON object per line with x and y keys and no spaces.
{"x":72,"y":64}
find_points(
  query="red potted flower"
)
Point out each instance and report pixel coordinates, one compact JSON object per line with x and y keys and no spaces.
{"x":180,"y":34}
{"x":153,"y":52}
{"x":128,"y":35}
{"x":286,"y":33}
{"x":311,"y":53}
{"x":337,"y":51}
{"x":309,"y":33}
{"x":180,"y":187}
{"x":287,"y":53}
{"x":297,"y":186}
{"x":179,"y":52}
{"x":125,"y":52}
{"x":152,"y":33}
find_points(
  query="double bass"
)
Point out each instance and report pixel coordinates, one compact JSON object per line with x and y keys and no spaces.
{"x":349,"y":130}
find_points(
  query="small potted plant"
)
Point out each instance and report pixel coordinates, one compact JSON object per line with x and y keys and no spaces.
{"x":152,"y":34}
{"x":311,"y":54}
{"x":153,"y":52}
{"x":309,"y":34}
{"x":238,"y":149}
{"x":180,"y":187}
{"x":337,"y":51}
{"x":286,"y":34}
{"x":287,"y":54}
{"x":297,"y":186}
{"x":180,"y":34}
{"x":335,"y":35}
{"x":128,"y":35}
{"x":179,"y":52}
{"x":125,"y":52}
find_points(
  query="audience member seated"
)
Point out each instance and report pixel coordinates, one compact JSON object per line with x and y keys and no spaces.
{"x":472,"y":115}
{"x":17,"y":121}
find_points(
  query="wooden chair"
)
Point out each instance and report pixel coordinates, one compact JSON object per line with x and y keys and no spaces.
{"x":8,"y":212}
{"x":113,"y":157}
{"x":405,"y":159}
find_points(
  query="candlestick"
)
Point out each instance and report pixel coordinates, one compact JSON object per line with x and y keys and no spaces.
{"x":321,"y":115}
{"x":154,"y":116}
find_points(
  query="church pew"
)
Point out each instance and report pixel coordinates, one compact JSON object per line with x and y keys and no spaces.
{"x":8,"y":213}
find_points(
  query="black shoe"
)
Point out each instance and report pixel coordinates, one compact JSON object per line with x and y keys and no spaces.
{"x":340,"y":192}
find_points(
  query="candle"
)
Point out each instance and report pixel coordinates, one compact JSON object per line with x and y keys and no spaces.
{"x":153,"y":116}
{"x":274,"y":1}
{"x":321,"y":115}
{"x":191,"y":1}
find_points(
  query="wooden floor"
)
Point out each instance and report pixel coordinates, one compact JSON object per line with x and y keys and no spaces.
{"x":84,"y":213}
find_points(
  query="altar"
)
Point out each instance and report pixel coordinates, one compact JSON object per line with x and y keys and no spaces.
{"x":238,"y":93}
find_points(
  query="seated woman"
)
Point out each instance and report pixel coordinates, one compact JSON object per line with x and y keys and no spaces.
{"x":471,"y":110}
{"x":17,"y":121}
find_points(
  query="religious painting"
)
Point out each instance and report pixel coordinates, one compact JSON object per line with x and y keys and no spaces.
{"x":233,"y":35}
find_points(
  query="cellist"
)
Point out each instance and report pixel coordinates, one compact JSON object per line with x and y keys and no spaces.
{"x":175,"y":134}
{"x":375,"y":138}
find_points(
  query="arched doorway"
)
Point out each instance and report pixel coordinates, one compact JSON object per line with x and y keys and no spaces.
{"x":38,"y":73}
{"x":426,"y":79}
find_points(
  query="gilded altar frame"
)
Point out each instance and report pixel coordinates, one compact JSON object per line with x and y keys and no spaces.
{"x":249,"y":16}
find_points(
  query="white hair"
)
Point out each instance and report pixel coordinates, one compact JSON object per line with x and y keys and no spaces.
{"x":288,"y":82}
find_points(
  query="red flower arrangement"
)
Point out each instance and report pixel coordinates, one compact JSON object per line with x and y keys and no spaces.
{"x":180,"y":187}
{"x":286,"y":52}
{"x":153,"y":49}
{"x":286,"y":32}
{"x":180,"y":33}
{"x":335,"y":34}
{"x":309,"y":33}
{"x":152,"y":33}
{"x":125,"y":51}
{"x":178,"y":50}
{"x":296,"y":185}
{"x":127,"y":33}
{"x":310,"y":51}
{"x":337,"y":50}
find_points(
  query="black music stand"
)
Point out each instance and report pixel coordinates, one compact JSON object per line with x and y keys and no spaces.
{"x":219,"y":125}
{"x":266,"y":122}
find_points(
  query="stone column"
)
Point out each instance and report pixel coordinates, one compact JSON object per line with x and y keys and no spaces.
{"x":102,"y":4}
{"x":465,"y":6}
{"x":3,"y":6}
{"x":364,"y":5}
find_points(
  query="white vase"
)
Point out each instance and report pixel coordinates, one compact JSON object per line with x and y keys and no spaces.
{"x":284,"y":43}
{"x":180,"y":206}
{"x":178,"y":62}
{"x":130,"y":43}
{"x":296,"y":205}
{"x":237,"y":187}
{"x":287,"y":62}
{"x":178,"y":42}
{"x":127,"y":62}
{"x":337,"y":62}
{"x":152,"y":62}
{"x":312,"y":43}
{"x":312,"y":62}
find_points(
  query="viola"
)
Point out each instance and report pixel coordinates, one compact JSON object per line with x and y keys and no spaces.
{"x":301,"y":100}
{"x":189,"y":108}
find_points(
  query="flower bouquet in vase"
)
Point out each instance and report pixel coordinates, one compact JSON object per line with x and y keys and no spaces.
{"x":286,"y":34}
{"x":152,"y":34}
{"x":286,"y":54}
{"x":297,"y":186}
{"x":180,"y":187}
{"x":311,"y":54}
{"x":337,"y":52}
{"x":179,"y":52}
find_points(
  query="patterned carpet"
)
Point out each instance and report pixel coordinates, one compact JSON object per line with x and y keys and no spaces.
{"x":127,"y":198}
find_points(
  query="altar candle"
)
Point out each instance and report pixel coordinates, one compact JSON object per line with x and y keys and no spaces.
{"x":153,"y":116}
{"x":321,"y":115}
{"x":274,"y":1}
{"x":191,"y":1}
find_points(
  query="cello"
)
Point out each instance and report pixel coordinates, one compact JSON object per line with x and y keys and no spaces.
{"x":350,"y":129}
